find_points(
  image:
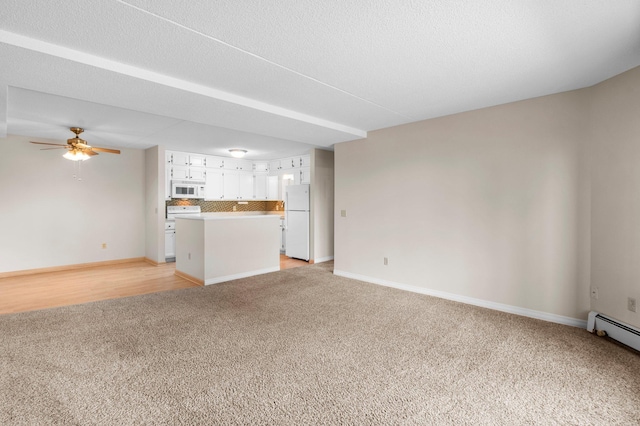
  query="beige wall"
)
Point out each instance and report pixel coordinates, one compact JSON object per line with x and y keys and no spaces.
{"x":615,"y":232}
{"x":154,"y":204}
{"x":322,"y":205}
{"x":50,"y":219}
{"x":490,"y":205}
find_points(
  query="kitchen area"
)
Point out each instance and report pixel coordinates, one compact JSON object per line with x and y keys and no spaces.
{"x":228,"y":218}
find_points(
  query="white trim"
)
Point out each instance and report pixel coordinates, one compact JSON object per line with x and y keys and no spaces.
{"x":323,"y":259}
{"x":217,"y":280}
{"x":545,"y":316}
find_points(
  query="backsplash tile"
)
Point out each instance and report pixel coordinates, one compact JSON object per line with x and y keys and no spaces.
{"x":227,"y":206}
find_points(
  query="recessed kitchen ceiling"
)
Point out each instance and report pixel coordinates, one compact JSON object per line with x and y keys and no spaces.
{"x":284,"y":76}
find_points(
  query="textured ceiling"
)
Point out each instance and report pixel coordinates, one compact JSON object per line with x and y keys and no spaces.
{"x":279,"y":77}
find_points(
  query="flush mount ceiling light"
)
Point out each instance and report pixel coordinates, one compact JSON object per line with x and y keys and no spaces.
{"x":238,"y":153}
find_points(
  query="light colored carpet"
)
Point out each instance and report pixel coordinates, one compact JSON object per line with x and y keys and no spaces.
{"x":303,"y":346}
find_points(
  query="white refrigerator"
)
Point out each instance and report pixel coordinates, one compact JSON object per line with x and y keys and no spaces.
{"x":296,"y":213}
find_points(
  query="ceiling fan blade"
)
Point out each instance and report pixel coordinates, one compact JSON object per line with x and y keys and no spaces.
{"x":45,"y":143}
{"x":82,"y":145}
{"x":47,"y":149}
{"x":90,"y":152}
{"x":111,"y":151}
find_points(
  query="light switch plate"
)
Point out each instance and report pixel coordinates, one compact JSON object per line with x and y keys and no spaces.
{"x":343,"y":213}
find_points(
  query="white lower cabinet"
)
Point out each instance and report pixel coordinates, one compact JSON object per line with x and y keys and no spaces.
{"x":169,"y":240}
{"x":169,"y":244}
{"x":283,"y":240}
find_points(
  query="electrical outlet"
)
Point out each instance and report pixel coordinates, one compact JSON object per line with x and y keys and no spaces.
{"x":343,"y":213}
{"x":189,"y":256}
{"x":631,"y":304}
{"x":594,"y":293}
{"x":386,"y":261}
{"x":104,"y":245}
{"x":235,"y":208}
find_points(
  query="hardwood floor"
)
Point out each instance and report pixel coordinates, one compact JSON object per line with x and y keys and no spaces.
{"x":62,"y":288}
{"x":288,"y":263}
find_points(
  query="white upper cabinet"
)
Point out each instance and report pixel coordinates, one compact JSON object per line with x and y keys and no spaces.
{"x":213,"y":162}
{"x":179,"y":158}
{"x":274,"y":167}
{"x":272,"y":191}
{"x":290,"y":163}
{"x":185,"y":159}
{"x":245,"y":192}
{"x":179,"y":172}
{"x":186,"y":173}
{"x":235,"y":164}
{"x":231,"y":185}
{"x":197,"y":173}
{"x":214,"y":185}
{"x":197,"y":160}
{"x":260,"y":186}
{"x":305,"y":175}
{"x":238,"y":185}
{"x":236,"y":179}
{"x":261,"y":166}
{"x":283,"y":164}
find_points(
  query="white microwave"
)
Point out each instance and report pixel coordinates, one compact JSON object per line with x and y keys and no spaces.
{"x":187,"y":189}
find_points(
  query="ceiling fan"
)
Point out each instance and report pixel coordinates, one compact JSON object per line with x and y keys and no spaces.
{"x":78,"y":149}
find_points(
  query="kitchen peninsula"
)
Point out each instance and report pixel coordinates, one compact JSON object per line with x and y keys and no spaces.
{"x":212,"y":249}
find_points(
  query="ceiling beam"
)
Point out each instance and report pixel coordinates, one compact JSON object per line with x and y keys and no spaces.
{"x":168,"y":81}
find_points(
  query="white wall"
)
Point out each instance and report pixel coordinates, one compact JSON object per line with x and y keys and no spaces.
{"x":322,"y":205}
{"x":491,"y":205}
{"x":50,"y":219}
{"x":615,"y":264}
{"x":154,"y":204}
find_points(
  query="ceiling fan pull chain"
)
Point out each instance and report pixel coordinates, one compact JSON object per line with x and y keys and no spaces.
{"x":77,"y":175}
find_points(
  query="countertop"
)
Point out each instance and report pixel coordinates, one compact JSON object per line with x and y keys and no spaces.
{"x":229,"y":215}
{"x":217,"y":217}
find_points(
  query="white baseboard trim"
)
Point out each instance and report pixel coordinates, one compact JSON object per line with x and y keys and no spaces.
{"x":545,"y":316}
{"x":323,"y":259}
{"x":217,"y":280}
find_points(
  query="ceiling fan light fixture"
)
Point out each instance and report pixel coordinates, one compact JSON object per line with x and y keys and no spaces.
{"x":76,"y":155}
{"x":238,"y":153}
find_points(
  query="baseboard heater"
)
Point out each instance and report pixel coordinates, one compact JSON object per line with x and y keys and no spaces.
{"x":617,"y":330}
